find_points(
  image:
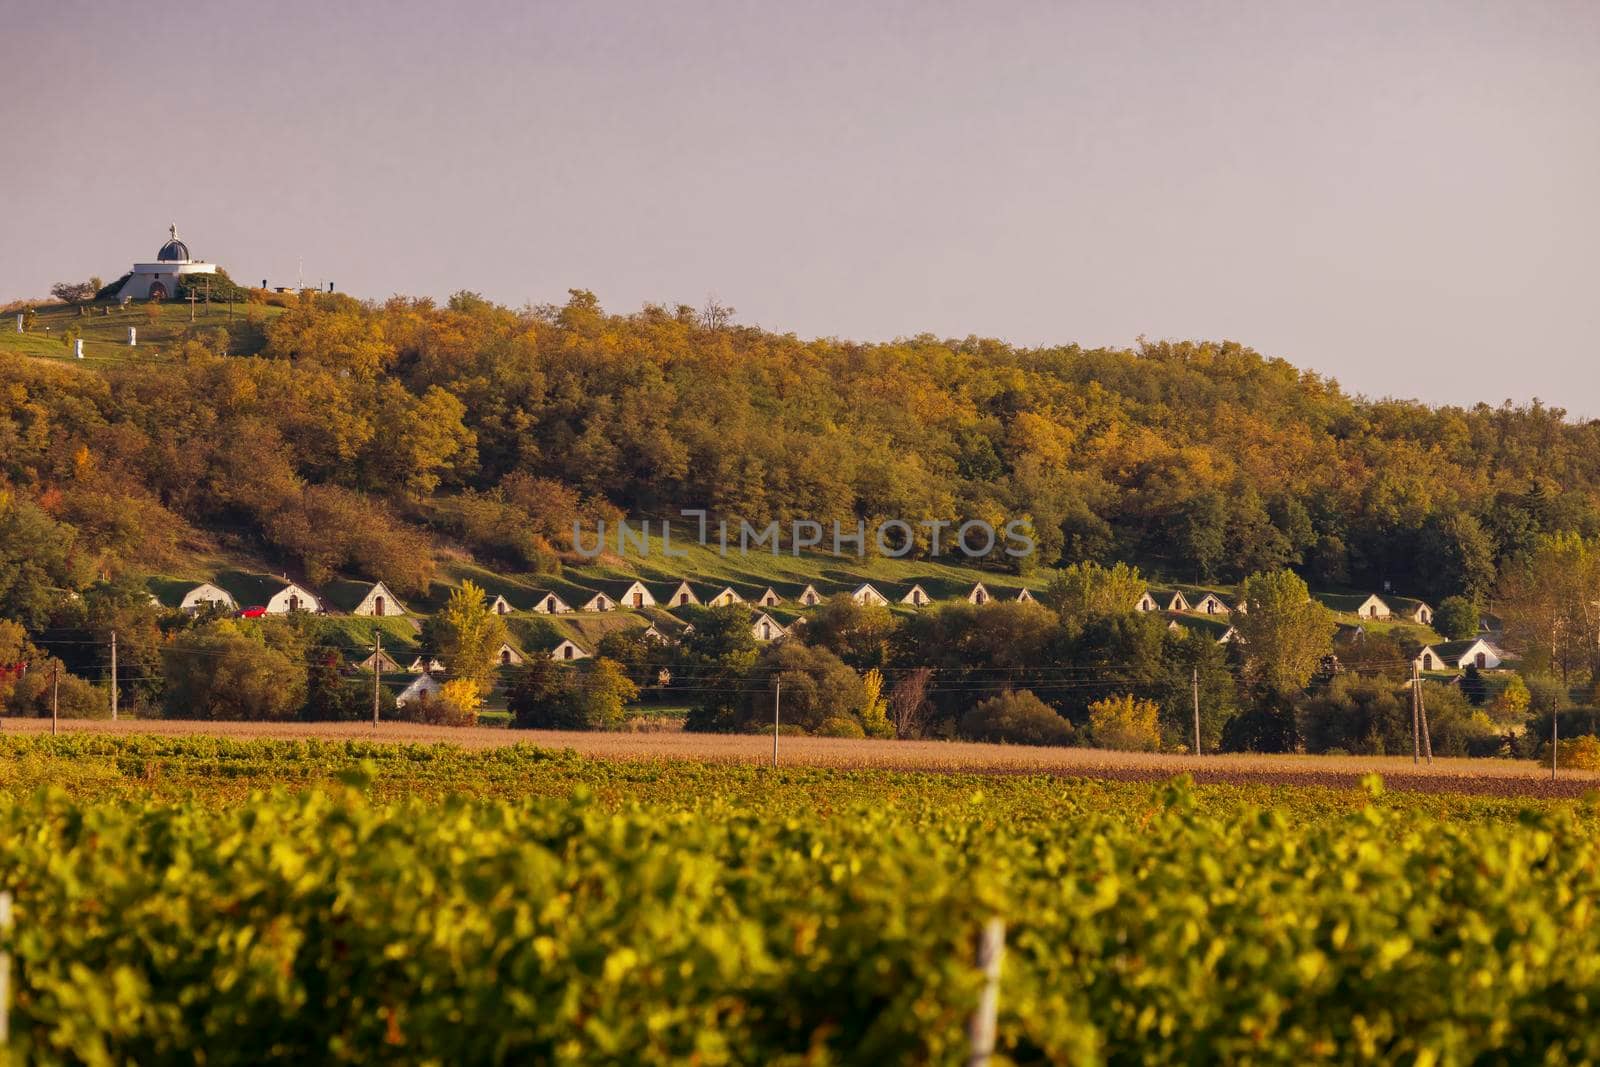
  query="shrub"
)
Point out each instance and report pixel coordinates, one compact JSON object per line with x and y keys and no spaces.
{"x":1575,"y":753}
{"x":1017,"y":717}
{"x":840,"y":726}
{"x":1366,"y":716}
{"x":457,"y":704}
{"x":1121,"y":722}
{"x":76,"y":697}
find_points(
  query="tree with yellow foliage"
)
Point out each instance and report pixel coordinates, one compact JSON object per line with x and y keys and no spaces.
{"x":467,"y":634}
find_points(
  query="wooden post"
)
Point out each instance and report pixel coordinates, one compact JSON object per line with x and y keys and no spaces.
{"x":113,"y":676}
{"x":1555,"y":741}
{"x":55,"y":694}
{"x":981,"y":1027}
{"x":777,"y":699}
{"x":1422,"y":710}
{"x":5,"y":972}
{"x":1416,"y":691}
{"x":1197,"y":711}
{"x":377,"y":674}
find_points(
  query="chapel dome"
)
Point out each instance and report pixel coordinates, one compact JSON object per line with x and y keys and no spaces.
{"x":174,"y":251}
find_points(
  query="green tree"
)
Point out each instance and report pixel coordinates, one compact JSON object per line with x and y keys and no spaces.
{"x":227,"y":671}
{"x":468,"y":635}
{"x":1457,"y":554}
{"x":1186,"y":657}
{"x":539,"y":697}
{"x":330,"y":696}
{"x":73,"y":292}
{"x":1457,"y":618}
{"x":1083,"y":590}
{"x":1284,"y":633}
{"x":601,"y":694}
{"x":1550,"y":603}
{"x":817,"y":689}
{"x":38,"y":562}
{"x":714,"y":659}
{"x":640,"y":656}
{"x":859,"y":634}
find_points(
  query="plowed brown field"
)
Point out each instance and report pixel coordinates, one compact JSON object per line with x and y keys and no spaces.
{"x":1490,"y":777}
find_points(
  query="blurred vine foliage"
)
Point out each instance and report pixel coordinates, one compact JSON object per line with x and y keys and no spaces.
{"x":326,"y":926}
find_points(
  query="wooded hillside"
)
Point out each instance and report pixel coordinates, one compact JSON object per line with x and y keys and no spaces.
{"x":365,"y":436}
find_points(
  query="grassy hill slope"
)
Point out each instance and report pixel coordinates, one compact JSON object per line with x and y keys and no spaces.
{"x":103,"y":325}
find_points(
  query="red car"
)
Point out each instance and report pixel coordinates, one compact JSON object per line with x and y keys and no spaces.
{"x":252,"y":613}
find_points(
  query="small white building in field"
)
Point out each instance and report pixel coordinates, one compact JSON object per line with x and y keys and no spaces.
{"x":1210,"y":604}
{"x":723,"y":597}
{"x":379,"y":661}
{"x":598,"y":602}
{"x":1459,"y":655}
{"x":189,"y":597}
{"x":634,"y":595}
{"x":422,"y":687}
{"x":550,"y":604}
{"x":1170,"y":599}
{"x":1416,"y":611}
{"x":506,"y":656}
{"x":266,"y":594}
{"x":566,"y":651}
{"x":681,"y":595}
{"x":766,"y":628}
{"x":374,"y":599}
{"x":500,"y":605}
{"x":868,"y":595}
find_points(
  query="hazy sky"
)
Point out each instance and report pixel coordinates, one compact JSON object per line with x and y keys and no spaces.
{"x":1404,"y":196}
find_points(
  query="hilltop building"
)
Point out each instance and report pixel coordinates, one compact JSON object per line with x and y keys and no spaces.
{"x":159,"y":280}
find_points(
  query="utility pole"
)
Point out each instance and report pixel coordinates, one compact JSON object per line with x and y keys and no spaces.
{"x":1555,"y":741}
{"x":55,"y":696}
{"x":1197,"y":711}
{"x":113,"y":676}
{"x":777,"y":699}
{"x":1427,"y":737}
{"x":1416,"y":715}
{"x":377,"y":674}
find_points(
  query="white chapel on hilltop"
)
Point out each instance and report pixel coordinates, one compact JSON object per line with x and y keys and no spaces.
{"x":160,"y":279}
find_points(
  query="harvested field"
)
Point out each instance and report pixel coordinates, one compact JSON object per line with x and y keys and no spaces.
{"x":1487,"y":777}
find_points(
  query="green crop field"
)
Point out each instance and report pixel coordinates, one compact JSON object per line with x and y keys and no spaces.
{"x":427,"y":904}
